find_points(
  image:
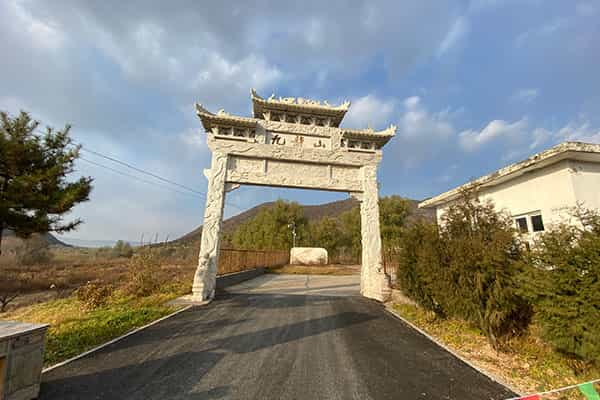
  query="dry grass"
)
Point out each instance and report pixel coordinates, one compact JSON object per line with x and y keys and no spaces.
{"x":72,"y":267}
{"x":528,"y":364}
{"x":331,"y":269}
{"x":75,"y":329}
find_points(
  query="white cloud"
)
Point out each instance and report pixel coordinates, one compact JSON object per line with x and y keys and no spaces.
{"x":544,"y":31}
{"x":370,"y":111}
{"x":471,"y":140}
{"x":252,"y":71}
{"x":579,"y":131}
{"x":193,"y":142}
{"x":519,"y":139}
{"x":42,"y":34}
{"x":457,"y":33}
{"x":525,"y":95}
{"x":421,"y":134}
{"x":417,"y":122}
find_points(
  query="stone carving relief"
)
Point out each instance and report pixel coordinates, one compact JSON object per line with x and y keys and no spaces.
{"x":203,"y":287}
{"x":374,"y":282}
{"x":273,"y":172}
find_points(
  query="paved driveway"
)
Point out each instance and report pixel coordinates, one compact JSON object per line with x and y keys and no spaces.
{"x":276,"y":337}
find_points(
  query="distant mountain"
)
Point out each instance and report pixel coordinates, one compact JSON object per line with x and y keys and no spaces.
{"x":312,"y":213}
{"x":11,"y":241}
{"x":95,"y":243}
{"x":50,"y":238}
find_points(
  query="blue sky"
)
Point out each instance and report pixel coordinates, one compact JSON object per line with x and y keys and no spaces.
{"x":471,"y":85}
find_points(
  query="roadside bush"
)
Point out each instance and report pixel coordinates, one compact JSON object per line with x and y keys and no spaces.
{"x":420,"y":258}
{"x":467,"y":268}
{"x":122,"y":249}
{"x":564,"y":285}
{"x":11,"y":286}
{"x":94,"y":295}
{"x":144,"y":275}
{"x":34,"y":250}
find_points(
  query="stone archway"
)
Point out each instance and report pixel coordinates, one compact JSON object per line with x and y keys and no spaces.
{"x":295,"y":143}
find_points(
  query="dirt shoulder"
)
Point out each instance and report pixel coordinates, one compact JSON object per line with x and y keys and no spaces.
{"x":527,"y":364}
{"x":330,"y":269}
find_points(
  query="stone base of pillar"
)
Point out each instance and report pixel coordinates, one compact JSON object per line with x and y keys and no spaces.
{"x":189,"y":300}
{"x":376,"y":287}
{"x":203,"y":289}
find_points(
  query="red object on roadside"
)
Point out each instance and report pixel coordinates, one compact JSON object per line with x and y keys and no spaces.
{"x":532,"y":397}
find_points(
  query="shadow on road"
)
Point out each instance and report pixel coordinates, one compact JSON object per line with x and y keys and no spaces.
{"x":122,"y":370}
{"x":152,"y":379}
{"x":249,"y":342}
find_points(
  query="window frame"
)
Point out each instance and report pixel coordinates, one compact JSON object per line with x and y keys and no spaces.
{"x":520,"y":228}
{"x":533,"y":228}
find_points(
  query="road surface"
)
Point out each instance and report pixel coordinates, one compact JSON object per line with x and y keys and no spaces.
{"x":275,"y":337}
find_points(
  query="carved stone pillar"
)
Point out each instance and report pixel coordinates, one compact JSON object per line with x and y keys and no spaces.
{"x":373,"y":281}
{"x":205,"y":278}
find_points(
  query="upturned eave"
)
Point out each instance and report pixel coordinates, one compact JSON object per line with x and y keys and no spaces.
{"x":299,"y":105}
{"x":209,"y":120}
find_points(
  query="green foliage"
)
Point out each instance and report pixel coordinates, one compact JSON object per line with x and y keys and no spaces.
{"x":564,"y":285}
{"x":341,"y":236}
{"x":94,"y":295}
{"x":420,"y":265}
{"x":327,"y":233}
{"x":269,"y":229}
{"x":33,"y":191}
{"x":467,"y":268}
{"x":82,"y":331}
{"x":350,"y":222}
{"x":122,"y":249}
{"x":393,"y":212}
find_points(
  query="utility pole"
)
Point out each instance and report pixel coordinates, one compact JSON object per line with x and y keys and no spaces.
{"x":292,"y":226}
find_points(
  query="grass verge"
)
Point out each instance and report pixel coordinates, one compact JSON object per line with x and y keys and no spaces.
{"x":315,"y":269}
{"x":74,"y":330}
{"x":528,"y":364}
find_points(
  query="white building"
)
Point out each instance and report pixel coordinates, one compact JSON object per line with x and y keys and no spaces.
{"x":539,"y":191}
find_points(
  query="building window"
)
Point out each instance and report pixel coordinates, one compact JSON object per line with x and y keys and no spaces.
{"x":537,"y":223}
{"x":522,"y":225}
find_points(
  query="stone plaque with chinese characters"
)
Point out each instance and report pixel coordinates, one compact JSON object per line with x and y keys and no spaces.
{"x":297,"y":140}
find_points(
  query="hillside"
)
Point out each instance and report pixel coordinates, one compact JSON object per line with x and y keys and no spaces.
{"x":11,"y":241}
{"x":312,"y":213}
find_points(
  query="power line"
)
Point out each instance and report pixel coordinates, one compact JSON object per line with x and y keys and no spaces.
{"x":191,"y":191}
{"x":84,"y":148}
{"x":135,"y":177}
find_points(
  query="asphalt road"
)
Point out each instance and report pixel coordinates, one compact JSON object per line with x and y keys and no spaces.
{"x":276,"y":337}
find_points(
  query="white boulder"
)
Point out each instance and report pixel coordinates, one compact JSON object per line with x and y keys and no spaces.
{"x":308,"y":256}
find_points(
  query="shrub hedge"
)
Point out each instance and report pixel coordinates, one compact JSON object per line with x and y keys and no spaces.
{"x":474,"y":267}
{"x":467,"y":268}
{"x":564,"y":286}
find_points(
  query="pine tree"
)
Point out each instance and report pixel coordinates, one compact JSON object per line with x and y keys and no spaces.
{"x":34,"y":193}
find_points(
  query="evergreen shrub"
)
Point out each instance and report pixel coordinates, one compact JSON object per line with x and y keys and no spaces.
{"x":467,"y":268}
{"x":564,"y":285}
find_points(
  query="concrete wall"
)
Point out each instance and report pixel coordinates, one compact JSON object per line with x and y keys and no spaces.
{"x":224,"y":281}
{"x":586,"y":183}
{"x":549,"y":191}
